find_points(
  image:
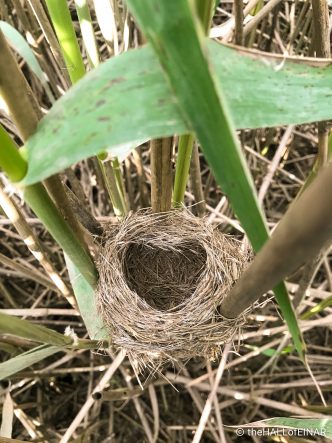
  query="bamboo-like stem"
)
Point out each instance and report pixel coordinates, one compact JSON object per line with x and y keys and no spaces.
{"x":42,"y":205}
{"x":88,"y":34}
{"x":196,"y":183}
{"x":322,"y":48}
{"x":321,"y":28}
{"x":161,"y":174}
{"x":204,"y":10}
{"x":120,"y":181}
{"x":143,"y":191}
{"x":182,"y":168}
{"x":239,"y":17}
{"x":40,"y":14}
{"x":58,"y":10}
{"x":84,"y":216}
{"x":57,"y":191}
{"x":113,"y":188}
{"x":38,"y":199}
{"x":106,"y":20}
{"x":285,"y":252}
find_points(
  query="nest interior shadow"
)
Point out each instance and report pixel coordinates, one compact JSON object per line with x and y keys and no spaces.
{"x":162,"y":278}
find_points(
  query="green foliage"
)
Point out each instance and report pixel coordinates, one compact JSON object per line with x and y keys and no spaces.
{"x":61,"y":20}
{"x":203,"y":105}
{"x":24,"y":328}
{"x":85,"y":297}
{"x":18,"y":42}
{"x":26,"y":359}
{"x":127,"y":100}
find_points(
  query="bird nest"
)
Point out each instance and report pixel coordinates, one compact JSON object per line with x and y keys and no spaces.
{"x":162,"y":278}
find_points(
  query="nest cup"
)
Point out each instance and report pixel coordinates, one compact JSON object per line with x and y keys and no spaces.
{"x":162,"y":278}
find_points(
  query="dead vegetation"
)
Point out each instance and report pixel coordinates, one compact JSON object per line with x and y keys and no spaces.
{"x":162,"y":278}
{"x":262,"y":376}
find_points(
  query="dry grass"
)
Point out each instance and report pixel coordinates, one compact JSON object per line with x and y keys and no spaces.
{"x":162,"y":278}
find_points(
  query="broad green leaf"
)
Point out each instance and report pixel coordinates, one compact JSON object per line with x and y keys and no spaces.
{"x":26,"y":359}
{"x":309,"y":426}
{"x":127,"y":100}
{"x":17,"y":41}
{"x":85,"y":296}
{"x":182,"y":53}
{"x":23,"y":328}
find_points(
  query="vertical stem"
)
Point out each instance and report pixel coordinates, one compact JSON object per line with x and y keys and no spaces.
{"x":239,"y":16}
{"x":204,"y":9}
{"x":196,"y":183}
{"x":88,"y":35}
{"x":321,"y":28}
{"x":161,"y":174}
{"x":63,"y":25}
{"x":41,"y":204}
{"x":40,"y":14}
{"x":64,"y":29}
{"x":143,"y":190}
{"x":182,"y":167}
{"x":323,"y":49}
{"x":113,"y":188}
{"x":119,"y":181}
{"x":321,"y":44}
{"x":106,"y":20}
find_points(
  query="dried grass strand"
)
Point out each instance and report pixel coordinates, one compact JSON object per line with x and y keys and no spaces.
{"x":162,"y":278}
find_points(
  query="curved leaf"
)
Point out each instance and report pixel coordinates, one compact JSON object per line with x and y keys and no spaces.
{"x":127,"y":100}
{"x":17,"y":41}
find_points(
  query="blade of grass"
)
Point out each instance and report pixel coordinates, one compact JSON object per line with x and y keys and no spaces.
{"x":26,"y":359}
{"x":186,"y":142}
{"x":24,"y":328}
{"x":65,"y":32}
{"x":204,"y":107}
{"x":88,"y":35}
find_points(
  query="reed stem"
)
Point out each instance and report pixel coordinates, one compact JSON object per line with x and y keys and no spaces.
{"x":61,"y":19}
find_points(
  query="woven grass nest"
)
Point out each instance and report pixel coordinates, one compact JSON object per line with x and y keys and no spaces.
{"x":162,"y":278}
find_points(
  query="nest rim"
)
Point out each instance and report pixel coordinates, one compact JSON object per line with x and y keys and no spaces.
{"x":191,"y":328}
